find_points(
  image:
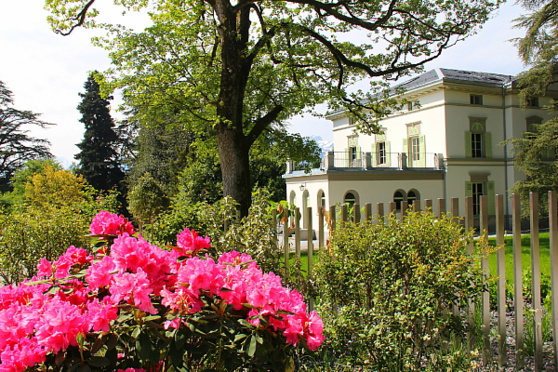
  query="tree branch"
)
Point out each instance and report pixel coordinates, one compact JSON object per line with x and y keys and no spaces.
{"x":262,"y":123}
{"x":80,"y":18}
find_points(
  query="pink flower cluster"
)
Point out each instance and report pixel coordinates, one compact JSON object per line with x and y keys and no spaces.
{"x":106,"y":223}
{"x":36,"y":321}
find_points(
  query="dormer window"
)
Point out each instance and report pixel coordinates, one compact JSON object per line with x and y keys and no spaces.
{"x":476,"y":99}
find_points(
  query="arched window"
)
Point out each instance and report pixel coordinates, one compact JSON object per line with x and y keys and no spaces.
{"x":350,"y":198}
{"x":321,"y":199}
{"x":305,"y":205}
{"x":399,"y":197}
{"x":412,"y":195}
{"x":292,"y":198}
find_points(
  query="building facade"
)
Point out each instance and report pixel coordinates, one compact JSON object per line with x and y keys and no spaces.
{"x":445,"y":143}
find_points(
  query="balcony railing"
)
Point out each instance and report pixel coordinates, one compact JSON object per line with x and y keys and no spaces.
{"x":369,"y":161}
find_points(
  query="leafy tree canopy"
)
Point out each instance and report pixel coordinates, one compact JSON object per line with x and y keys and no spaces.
{"x":536,"y":151}
{"x":22,"y":176}
{"x":234,"y":68}
{"x":16,"y":144}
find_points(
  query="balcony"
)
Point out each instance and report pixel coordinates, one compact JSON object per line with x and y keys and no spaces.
{"x":336,"y":160}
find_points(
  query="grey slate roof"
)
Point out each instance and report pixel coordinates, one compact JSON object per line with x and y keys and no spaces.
{"x":456,"y":76}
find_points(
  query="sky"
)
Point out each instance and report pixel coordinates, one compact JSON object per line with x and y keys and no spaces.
{"x":46,"y":72}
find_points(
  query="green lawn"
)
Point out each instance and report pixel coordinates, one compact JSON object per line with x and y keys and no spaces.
{"x":525,"y":256}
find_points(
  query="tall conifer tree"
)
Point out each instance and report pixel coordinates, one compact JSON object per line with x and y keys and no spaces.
{"x":98,"y":161}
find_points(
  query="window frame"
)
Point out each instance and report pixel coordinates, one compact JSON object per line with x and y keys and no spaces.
{"x":381,"y":153}
{"x":414,"y":148}
{"x":476,"y":99}
{"x":477,"y":195}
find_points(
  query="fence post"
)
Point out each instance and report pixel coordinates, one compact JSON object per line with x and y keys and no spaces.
{"x":404,"y":209}
{"x":536,"y":278}
{"x":356,"y":213}
{"x":310,"y":241}
{"x":500,"y":240}
{"x":486,"y":352}
{"x":553,"y":224}
{"x":286,"y":245}
{"x":297,"y":232}
{"x":344,"y":213}
{"x":321,"y":227}
{"x":380,"y":213}
{"x":454,"y":209}
{"x":332,"y":218}
{"x":441,"y":207}
{"x":392,"y":208}
{"x":368,"y":211}
{"x":416,"y":206}
{"x":428,"y":205}
{"x":469,"y":222}
{"x":518,"y":282}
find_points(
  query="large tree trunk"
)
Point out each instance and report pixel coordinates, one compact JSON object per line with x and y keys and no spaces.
{"x":235,"y":167}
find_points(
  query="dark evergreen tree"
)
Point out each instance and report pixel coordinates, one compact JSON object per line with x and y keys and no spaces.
{"x":16,"y":145}
{"x":98,"y":160}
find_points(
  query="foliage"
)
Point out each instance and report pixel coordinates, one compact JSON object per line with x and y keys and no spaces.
{"x":234,"y":69}
{"x":132,"y":306}
{"x":161,"y":152}
{"x":536,"y":151}
{"x":16,"y":146}
{"x":146,"y":199}
{"x":98,"y":162}
{"x":21,"y":177}
{"x":269,"y":154}
{"x":255,"y":234}
{"x":182,"y":161}
{"x":55,"y":213}
{"x":390,"y":289}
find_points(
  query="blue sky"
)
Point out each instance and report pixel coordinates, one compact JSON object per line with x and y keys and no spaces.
{"x":47,"y":71}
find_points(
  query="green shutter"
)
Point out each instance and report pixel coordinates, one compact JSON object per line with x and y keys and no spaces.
{"x":422,"y":152}
{"x":347,"y":157}
{"x":468,"y":145}
{"x":488,"y":144}
{"x":491,"y":198}
{"x":358,"y":153}
{"x":374,"y":154}
{"x":468,"y":189}
{"x":406,"y":152}
{"x":388,"y":154}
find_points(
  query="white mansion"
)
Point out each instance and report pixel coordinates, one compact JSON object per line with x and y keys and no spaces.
{"x":447,"y":146}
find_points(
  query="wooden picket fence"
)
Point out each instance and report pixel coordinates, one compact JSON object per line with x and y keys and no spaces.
{"x":296,"y":242}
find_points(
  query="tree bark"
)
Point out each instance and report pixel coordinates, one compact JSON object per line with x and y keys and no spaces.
{"x":232,"y":142}
{"x":235,"y":167}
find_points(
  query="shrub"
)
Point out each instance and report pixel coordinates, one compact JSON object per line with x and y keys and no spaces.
{"x":255,"y":235}
{"x":132,"y":306}
{"x":55,"y":214}
{"x":387,"y":292}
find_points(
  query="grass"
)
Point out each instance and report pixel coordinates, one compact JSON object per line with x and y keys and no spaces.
{"x":544,"y":243}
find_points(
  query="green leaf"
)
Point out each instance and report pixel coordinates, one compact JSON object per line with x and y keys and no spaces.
{"x":253,"y":343}
{"x":99,"y":362}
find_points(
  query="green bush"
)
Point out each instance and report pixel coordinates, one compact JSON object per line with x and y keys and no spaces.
{"x":387,"y":293}
{"x":55,"y":213}
{"x":255,"y":234}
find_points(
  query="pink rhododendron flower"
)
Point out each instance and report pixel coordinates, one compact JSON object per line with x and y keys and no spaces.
{"x":106,"y":223}
{"x":37,"y":320}
{"x":189,"y":243}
